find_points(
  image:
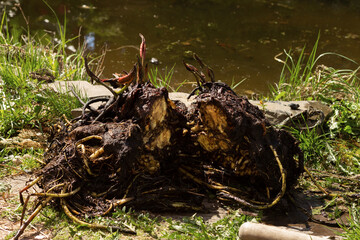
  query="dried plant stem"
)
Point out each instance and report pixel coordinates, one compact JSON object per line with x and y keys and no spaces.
{"x":58,"y":195}
{"x":27,"y":187}
{"x":315,"y":182}
{"x":32,"y":216}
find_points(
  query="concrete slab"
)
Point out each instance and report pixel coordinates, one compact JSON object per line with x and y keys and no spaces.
{"x":85,"y":88}
{"x":277,"y":112}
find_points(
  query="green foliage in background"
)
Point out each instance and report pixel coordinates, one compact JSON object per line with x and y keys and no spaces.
{"x":302,"y":78}
{"x":345,"y":120}
{"x":163,"y":80}
{"x":24,"y":100}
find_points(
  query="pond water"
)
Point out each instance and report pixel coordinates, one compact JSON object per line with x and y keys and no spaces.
{"x":238,"y":39}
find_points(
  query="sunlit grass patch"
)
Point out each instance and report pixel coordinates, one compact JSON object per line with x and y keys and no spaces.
{"x":352,"y":232}
{"x":196,"y":227}
{"x":345,"y":121}
{"x":313,"y":145}
{"x":19,"y":161}
{"x":347,"y":154}
{"x":147,"y":226}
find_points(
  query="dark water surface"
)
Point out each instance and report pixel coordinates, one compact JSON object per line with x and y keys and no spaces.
{"x":239,"y":39}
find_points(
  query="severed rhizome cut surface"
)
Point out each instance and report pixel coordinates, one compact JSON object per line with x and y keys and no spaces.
{"x":143,"y":150}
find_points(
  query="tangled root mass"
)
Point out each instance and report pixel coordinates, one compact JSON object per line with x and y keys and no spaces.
{"x":149,"y":152}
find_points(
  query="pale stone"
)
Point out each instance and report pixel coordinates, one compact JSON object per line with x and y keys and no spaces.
{"x":85,"y":88}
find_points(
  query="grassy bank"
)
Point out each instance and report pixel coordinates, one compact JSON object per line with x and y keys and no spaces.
{"x":26,"y":62}
{"x":303,"y":78}
{"x":333,"y":153}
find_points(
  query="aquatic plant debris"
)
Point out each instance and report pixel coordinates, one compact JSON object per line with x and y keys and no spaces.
{"x":141,"y":149}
